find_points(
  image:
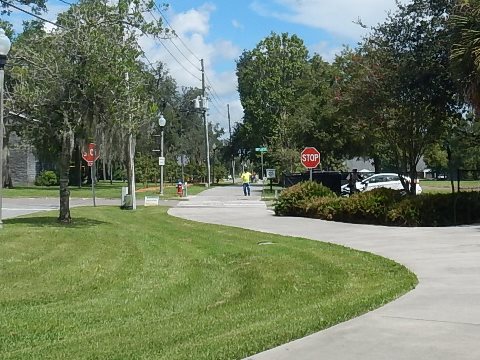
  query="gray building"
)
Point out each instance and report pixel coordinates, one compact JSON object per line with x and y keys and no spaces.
{"x":24,"y":165}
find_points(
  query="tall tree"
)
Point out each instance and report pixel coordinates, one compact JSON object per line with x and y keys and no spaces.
{"x":268,"y":85}
{"x":72,"y":80}
{"x":408,"y":59}
{"x":465,"y":53}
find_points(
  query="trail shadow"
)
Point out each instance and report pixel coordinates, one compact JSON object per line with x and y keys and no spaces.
{"x":46,"y":221}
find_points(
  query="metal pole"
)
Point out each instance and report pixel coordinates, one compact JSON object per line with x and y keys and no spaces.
{"x":204,"y":112}
{"x":1,"y":143}
{"x":262,"y":164}
{"x":213,"y":165}
{"x":311,"y":174}
{"x":161,"y":166}
{"x":232,"y":163}
{"x":92,"y":174}
{"x":183,"y":171}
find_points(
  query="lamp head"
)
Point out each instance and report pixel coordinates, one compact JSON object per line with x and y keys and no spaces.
{"x":4,"y":47}
{"x":162,"y":121}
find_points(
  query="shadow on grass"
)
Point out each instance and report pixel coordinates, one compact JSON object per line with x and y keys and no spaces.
{"x":45,"y":221}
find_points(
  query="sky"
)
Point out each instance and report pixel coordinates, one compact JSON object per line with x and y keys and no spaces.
{"x":218,"y":31}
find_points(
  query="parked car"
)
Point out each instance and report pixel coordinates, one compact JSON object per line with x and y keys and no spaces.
{"x":386,"y":180}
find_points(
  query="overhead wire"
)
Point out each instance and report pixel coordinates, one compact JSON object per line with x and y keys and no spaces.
{"x":65,"y":2}
{"x":173,"y":56}
{"x":30,"y":13}
{"x":213,"y":92}
{"x":171,"y":27}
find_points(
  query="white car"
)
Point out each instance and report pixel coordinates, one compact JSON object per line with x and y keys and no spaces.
{"x":386,"y":180}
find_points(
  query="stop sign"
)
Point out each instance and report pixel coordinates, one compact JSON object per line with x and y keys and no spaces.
{"x":92,"y":155}
{"x":310,"y":157}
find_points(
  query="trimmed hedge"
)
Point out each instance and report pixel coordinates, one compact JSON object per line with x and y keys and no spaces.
{"x":292,"y":200}
{"x":383,"y":207}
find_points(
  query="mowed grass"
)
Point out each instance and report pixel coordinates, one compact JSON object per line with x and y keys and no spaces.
{"x":103,"y":189}
{"x":144,"y":285}
{"x":445,"y":186}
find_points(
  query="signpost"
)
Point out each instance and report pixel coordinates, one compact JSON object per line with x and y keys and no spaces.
{"x":261,"y":150}
{"x":310,"y":158}
{"x":271,"y":176}
{"x":90,"y":157}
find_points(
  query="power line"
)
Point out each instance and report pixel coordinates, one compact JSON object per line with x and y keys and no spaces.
{"x":31,"y":14}
{"x":173,"y":56}
{"x":178,"y":62}
{"x":180,"y":51}
{"x":66,"y":2}
{"x":171,"y":27}
{"x":213,"y":93}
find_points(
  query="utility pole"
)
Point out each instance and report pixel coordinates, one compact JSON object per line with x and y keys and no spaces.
{"x":233,"y":155}
{"x":204,"y":114}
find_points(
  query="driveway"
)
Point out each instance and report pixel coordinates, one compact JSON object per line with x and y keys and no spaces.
{"x":440,"y":319}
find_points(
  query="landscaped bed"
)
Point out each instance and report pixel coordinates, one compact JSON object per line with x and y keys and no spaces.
{"x":380,"y":206}
{"x":144,"y":285}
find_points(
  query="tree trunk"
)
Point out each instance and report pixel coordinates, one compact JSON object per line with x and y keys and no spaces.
{"x":377,"y":164}
{"x":64,"y":170}
{"x":110,"y":171}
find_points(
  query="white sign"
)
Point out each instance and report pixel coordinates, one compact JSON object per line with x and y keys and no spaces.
{"x":161,"y":160}
{"x":270,"y":173}
{"x":151,"y":200}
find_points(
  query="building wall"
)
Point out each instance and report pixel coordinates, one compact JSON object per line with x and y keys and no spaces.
{"x":22,"y":161}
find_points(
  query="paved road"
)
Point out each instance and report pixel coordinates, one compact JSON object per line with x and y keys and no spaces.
{"x":439,"y":320}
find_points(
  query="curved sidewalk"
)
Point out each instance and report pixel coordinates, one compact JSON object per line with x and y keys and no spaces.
{"x":440,"y":319}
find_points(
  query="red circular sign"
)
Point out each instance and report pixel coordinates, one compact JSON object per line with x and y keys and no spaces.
{"x":310,"y":157}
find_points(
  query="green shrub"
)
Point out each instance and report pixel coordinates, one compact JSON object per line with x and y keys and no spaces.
{"x":326,"y":208}
{"x":387,"y":207}
{"x":293,"y":200}
{"x":437,"y":210}
{"x":368,"y":207}
{"x":46,"y":178}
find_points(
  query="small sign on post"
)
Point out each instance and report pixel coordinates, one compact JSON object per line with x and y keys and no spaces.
{"x":90,"y":157}
{"x":270,"y":173}
{"x":161,"y":160}
{"x":270,"y":176}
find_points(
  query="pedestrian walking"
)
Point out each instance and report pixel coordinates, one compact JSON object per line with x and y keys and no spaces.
{"x":246,"y":176}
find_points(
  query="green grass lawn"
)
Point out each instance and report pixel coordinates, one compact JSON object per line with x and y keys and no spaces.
{"x":436,"y":186}
{"x":144,"y":285}
{"x":103,"y":189}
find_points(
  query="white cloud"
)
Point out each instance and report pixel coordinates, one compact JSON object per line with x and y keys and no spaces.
{"x":324,"y":49}
{"x":192,"y":27}
{"x":337,"y":16}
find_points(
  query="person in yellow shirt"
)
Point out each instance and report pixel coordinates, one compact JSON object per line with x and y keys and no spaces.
{"x":246,"y":176}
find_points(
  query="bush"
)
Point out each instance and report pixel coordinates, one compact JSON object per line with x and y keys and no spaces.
{"x":437,"y":210}
{"x":46,"y":178}
{"x":385,"y":207}
{"x":293,"y":200}
{"x":369,"y":207}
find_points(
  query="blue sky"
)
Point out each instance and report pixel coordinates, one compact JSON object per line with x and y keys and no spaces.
{"x":219,"y":30}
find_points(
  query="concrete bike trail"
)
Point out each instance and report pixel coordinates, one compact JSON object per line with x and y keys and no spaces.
{"x":438,"y":320}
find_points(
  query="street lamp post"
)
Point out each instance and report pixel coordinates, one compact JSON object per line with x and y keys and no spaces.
{"x":161,"y":122}
{"x":214,"y":148}
{"x":4,"y":49}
